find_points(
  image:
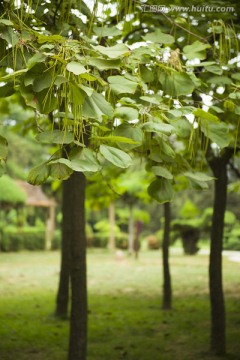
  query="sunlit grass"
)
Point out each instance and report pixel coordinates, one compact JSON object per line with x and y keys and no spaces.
{"x":125,"y":316}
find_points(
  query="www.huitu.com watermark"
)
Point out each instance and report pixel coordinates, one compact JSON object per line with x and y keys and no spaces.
{"x":174,"y":8}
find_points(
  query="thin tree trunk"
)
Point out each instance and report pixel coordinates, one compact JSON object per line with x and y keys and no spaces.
{"x":78,"y":272}
{"x":63,"y":288}
{"x":111,"y":214}
{"x":167,"y":289}
{"x":218,"y":326}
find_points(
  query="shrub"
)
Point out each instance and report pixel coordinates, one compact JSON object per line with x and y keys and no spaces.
{"x":29,"y":238}
{"x":56,"y":241}
{"x":122,"y":241}
{"x":152,"y":242}
{"x":232,"y":239}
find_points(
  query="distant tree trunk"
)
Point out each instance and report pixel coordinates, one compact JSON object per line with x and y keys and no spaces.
{"x":167,"y":289}
{"x":63,"y":288}
{"x":130,"y":231}
{"x":111,"y":214}
{"x":218,"y":336}
{"x":78,"y":274}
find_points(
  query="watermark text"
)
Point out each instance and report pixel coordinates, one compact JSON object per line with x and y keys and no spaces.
{"x":174,"y":8}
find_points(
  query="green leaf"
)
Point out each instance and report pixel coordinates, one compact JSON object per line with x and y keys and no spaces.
{"x":182,"y":127}
{"x":206,"y":115}
{"x":35,"y":59}
{"x":130,"y":132}
{"x":6,"y":22}
{"x":76,"y":95}
{"x":159,"y":37}
{"x":60,"y":169}
{"x":105,"y":64}
{"x":236,"y":76}
{"x":235,"y":95}
{"x":84,"y":160}
{"x":220,"y":80}
{"x":196,"y":50}
{"x":121,"y":85}
{"x":157,"y":127}
{"x":150,"y":99}
{"x":126,"y":113}
{"x":117,"y":157}
{"x":60,"y":80}
{"x":176,"y":84}
{"x":116,"y":139}
{"x":162,"y":171}
{"x":215,"y":69}
{"x":88,"y":90}
{"x":44,"y":81}
{"x":46,"y":101}
{"x":113,"y":52}
{"x":161,"y":190}
{"x":76,"y":68}
{"x":55,"y":137}
{"x":198,"y":176}
{"x":39,"y":174}
{"x":10,"y":36}
{"x":217,"y":133}
{"x":146,"y":74}
{"x":3,"y":148}
{"x":96,"y":106}
{"x":106,"y":31}
{"x":6,"y":90}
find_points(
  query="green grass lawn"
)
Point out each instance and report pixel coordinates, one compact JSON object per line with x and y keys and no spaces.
{"x":125,"y":316}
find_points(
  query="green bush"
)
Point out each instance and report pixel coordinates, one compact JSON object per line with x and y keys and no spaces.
{"x":29,"y":238}
{"x":56,"y":241}
{"x":153,"y":242}
{"x":122,"y":241}
{"x":232,"y":238}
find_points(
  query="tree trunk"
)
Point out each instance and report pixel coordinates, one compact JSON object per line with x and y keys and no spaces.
{"x":63,"y":288}
{"x":167,"y":290}
{"x":111,"y":214}
{"x":218,"y":336}
{"x":78,"y":273}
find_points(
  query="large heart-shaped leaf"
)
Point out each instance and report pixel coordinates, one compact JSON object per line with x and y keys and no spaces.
{"x":39,"y":174}
{"x":105,"y":64}
{"x":159,"y":37}
{"x":126,"y":113}
{"x":160,"y":127}
{"x":161,"y":190}
{"x":113,"y":52}
{"x":196,"y":50}
{"x":76,"y":68}
{"x":84,"y":160}
{"x":55,"y":137}
{"x":60,"y":169}
{"x":96,"y":106}
{"x":117,"y":157}
{"x":217,"y":133}
{"x":120,"y":85}
{"x":162,"y":171}
{"x":130,"y":132}
{"x":176,"y":83}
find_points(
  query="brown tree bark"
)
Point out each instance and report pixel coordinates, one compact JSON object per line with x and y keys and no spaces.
{"x":167,"y":289}
{"x":218,"y":326}
{"x":78,"y":273}
{"x":64,"y":280}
